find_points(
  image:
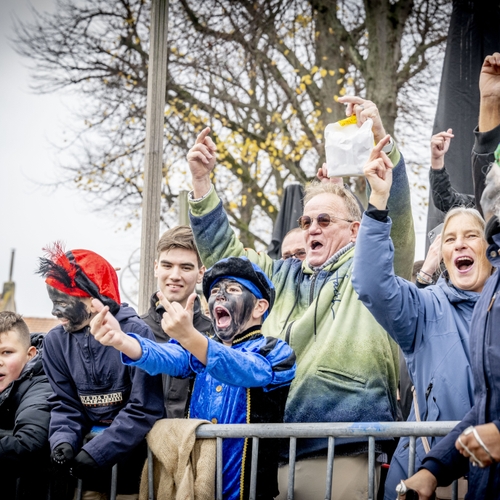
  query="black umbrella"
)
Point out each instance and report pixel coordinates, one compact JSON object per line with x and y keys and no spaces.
{"x":292,"y":207}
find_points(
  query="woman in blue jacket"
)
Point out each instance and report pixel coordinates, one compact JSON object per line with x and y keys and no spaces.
{"x":431,"y":325}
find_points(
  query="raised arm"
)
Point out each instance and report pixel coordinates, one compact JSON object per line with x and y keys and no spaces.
{"x":443,"y":194}
{"x":402,"y":232}
{"x":201,"y":159}
{"x":487,"y":135}
{"x":394,"y":302}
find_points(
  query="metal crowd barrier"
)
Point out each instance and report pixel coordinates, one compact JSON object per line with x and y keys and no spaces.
{"x":369,"y":430}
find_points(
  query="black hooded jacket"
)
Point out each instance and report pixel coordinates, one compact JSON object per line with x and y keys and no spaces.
{"x":25,"y":411}
{"x":176,"y":390}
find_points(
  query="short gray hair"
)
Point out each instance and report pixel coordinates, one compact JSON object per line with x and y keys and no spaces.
{"x":351,"y":203}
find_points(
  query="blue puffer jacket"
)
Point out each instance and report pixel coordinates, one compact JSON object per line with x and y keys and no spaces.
{"x":445,"y":462}
{"x":432,"y":327}
{"x":92,"y":387}
{"x":246,"y":383}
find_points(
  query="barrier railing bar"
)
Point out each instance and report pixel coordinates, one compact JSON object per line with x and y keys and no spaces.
{"x":79,"y":488}
{"x":378,"y":430}
{"x":371,"y":468}
{"x":253,"y":470}
{"x":291,"y":467}
{"x":411,"y":455}
{"x":329,"y":467}
{"x":151,"y":495}
{"x":114,"y":482}
{"x":219,"y":467}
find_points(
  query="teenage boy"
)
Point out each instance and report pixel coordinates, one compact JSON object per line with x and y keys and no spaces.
{"x":24,"y":410}
{"x":178,"y":269}
{"x":241,"y":376}
{"x":91,"y":387}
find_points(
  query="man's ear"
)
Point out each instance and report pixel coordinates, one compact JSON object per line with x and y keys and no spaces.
{"x":156,"y":268}
{"x":261,"y":306}
{"x":201,"y":273}
{"x":32,"y":352}
{"x":354,"y":230}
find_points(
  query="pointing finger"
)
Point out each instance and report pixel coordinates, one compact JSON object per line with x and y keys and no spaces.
{"x":378,"y":148}
{"x":202,"y":135}
{"x":163,"y":300}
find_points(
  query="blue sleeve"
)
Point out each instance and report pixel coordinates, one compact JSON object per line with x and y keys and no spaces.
{"x":144,"y":407}
{"x":444,"y":461}
{"x":395,"y":303}
{"x":170,"y":358}
{"x":271,"y":366}
{"x":68,"y":423}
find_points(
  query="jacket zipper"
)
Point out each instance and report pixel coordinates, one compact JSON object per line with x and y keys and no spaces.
{"x":313,"y":282}
{"x":492,"y":301}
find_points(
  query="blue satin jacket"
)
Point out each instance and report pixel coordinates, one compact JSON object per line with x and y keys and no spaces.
{"x":245,"y":383}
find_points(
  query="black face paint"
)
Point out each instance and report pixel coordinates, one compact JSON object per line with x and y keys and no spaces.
{"x":72,"y":311}
{"x":231,"y":306}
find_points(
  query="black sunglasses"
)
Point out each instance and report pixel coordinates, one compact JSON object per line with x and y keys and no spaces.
{"x":324,"y":220}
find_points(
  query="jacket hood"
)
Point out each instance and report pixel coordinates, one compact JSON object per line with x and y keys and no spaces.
{"x":454,"y":294}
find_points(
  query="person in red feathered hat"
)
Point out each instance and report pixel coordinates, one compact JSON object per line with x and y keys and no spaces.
{"x":92,"y":387}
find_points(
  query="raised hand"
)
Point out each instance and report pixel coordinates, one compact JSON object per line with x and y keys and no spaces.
{"x":322,"y":175}
{"x":489,"y":88}
{"x":378,"y":172}
{"x":489,"y":79}
{"x":364,"y":109}
{"x":201,"y":158}
{"x":440,"y":143}
{"x":177,"y":323}
{"x":104,"y":326}
{"x":106,"y":329}
{"x":433,"y":258}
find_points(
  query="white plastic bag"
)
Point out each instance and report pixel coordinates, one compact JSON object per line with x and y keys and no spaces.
{"x":348,"y":147}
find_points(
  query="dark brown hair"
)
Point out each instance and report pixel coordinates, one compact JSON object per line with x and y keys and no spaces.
{"x":177,"y":237}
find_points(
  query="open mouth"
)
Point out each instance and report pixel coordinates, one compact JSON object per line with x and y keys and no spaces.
{"x":222,"y":317}
{"x":315,"y":245}
{"x":464,"y":263}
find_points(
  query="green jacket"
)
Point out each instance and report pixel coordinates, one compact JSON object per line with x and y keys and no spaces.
{"x":347,"y":365}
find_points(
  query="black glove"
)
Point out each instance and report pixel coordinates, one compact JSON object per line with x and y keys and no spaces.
{"x":62,"y":455}
{"x":84,"y":466}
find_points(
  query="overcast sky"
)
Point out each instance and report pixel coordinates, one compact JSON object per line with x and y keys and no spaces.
{"x":32,"y":216}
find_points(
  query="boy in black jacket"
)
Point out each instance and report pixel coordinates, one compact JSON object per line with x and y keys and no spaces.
{"x":24,"y":410}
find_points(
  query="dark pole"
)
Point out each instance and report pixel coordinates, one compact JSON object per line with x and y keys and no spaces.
{"x":11,"y":272}
{"x":157,"y":83}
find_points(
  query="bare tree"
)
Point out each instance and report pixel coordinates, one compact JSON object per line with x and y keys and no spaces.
{"x":264,"y":75}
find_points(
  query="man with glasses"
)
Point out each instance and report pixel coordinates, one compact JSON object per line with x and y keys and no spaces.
{"x":293,"y":245}
{"x":347,"y":366}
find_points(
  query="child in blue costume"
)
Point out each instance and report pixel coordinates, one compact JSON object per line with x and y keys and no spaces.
{"x":240,"y":376}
